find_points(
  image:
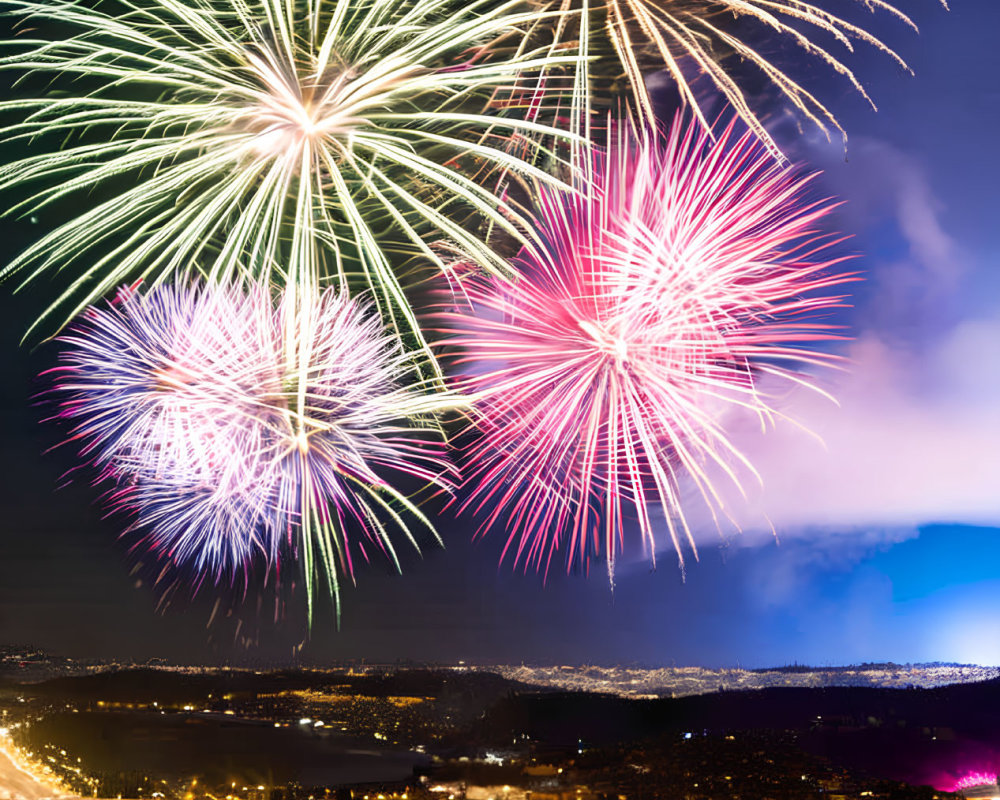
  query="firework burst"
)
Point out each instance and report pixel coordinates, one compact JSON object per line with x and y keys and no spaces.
{"x":158,"y":383}
{"x":630,"y":38}
{"x":663,"y":293}
{"x":267,"y":139}
{"x":973,"y":780}
{"x":234,"y":430}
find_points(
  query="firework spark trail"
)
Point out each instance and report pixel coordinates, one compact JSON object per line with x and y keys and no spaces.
{"x":972,"y":780}
{"x":687,"y":270}
{"x":234,"y":430}
{"x":286,"y":140}
{"x":353,"y":411}
{"x":692,"y":37}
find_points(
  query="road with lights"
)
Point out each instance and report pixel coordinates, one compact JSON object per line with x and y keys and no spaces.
{"x":17,"y":784}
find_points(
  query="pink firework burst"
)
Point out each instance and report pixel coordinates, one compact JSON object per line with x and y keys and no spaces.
{"x":685,"y":271}
{"x":233,"y":429}
{"x":973,"y":780}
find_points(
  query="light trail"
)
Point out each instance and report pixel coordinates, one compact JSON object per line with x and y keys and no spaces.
{"x":17,"y":782}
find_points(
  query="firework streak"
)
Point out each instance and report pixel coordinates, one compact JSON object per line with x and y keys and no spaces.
{"x":663,"y":293}
{"x":234,"y":430}
{"x":273,"y":140}
{"x":691,"y":39}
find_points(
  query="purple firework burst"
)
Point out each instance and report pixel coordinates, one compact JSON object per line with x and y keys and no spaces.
{"x":234,"y":429}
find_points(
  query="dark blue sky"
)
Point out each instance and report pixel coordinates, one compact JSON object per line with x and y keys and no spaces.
{"x":886,"y":548}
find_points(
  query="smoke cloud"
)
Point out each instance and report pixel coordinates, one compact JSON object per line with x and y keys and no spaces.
{"x":915,"y":438}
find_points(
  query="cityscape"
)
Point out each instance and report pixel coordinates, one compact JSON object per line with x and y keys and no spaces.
{"x":472,"y":732}
{"x":33,"y":666}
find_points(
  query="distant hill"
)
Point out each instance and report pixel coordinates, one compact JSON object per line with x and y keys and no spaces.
{"x":565,"y":717}
{"x":912,"y":735}
{"x":866,"y":666}
{"x":510,"y":708}
{"x":167,"y":685}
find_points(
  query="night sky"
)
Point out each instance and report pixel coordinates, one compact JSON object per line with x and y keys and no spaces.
{"x":886,"y":546}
